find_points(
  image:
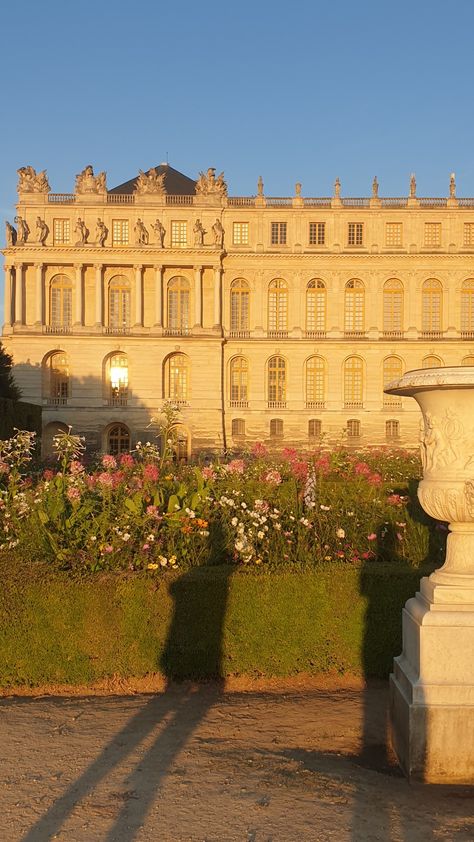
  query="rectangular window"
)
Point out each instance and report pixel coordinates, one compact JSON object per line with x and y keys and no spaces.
{"x":179,"y":234}
{"x":469,"y":233}
{"x":278,"y":237}
{"x":393,"y":234}
{"x":240,"y":234}
{"x":317,"y":233}
{"x":355,"y":233}
{"x":120,"y":232}
{"x":432,"y":233}
{"x":61,"y":232}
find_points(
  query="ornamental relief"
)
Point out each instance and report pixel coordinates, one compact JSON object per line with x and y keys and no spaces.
{"x":444,"y":443}
{"x":447,"y":502}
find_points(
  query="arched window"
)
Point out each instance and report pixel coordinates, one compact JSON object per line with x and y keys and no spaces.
{"x":354,"y":308}
{"x":118,"y":439}
{"x":117,"y":379}
{"x":239,"y":379}
{"x":314,"y":428}
{"x":176,"y":379}
{"x":392,"y":429}
{"x":393,"y":308}
{"x":315,"y":383}
{"x":353,"y":383}
{"x":276,"y":383}
{"x":432,"y":308}
{"x":467,"y":360}
{"x":60,"y":303}
{"x":276,"y":428}
{"x":239,"y":307}
{"x":316,"y":309}
{"x":392,"y":370}
{"x":56,"y":379}
{"x":467,"y":308}
{"x":178,"y":305}
{"x":238,"y":427}
{"x":353,"y":428}
{"x":432,"y":362}
{"x":278,"y":308}
{"x":119,"y":304}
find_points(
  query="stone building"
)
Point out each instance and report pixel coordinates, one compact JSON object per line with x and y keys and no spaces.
{"x":274,"y":319}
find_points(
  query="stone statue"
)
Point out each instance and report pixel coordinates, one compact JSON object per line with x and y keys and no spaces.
{"x":42,"y":229}
{"x":87,"y":182}
{"x":101,"y":233}
{"x":23,"y":230}
{"x":375,"y":188}
{"x":150,"y":182}
{"x":10,"y":234}
{"x":298,"y":189}
{"x":452,"y":186}
{"x":141,"y":233}
{"x":207,"y":184}
{"x":82,"y":231}
{"x":412,"y":186}
{"x":337,"y":188}
{"x":198,"y":233}
{"x":160,"y":232}
{"x":30,"y":181}
{"x":260,"y":186}
{"x":218,"y":232}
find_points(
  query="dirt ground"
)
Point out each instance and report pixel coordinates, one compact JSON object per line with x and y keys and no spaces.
{"x":258,"y":762}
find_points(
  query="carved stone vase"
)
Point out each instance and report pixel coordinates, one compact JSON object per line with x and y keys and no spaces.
{"x":432,"y":685}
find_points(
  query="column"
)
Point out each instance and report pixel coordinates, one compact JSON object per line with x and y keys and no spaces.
{"x":99,"y":313}
{"x":138,"y":296}
{"x":158,"y":296}
{"x":39,"y":294}
{"x":198,"y":296}
{"x":8,"y":296}
{"x":78,"y":299}
{"x":19,"y":294}
{"x":217,"y":296}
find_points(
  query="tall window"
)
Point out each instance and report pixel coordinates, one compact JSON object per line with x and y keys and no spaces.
{"x":117,"y":379}
{"x":178,"y":304}
{"x":61,"y":302}
{"x":176,"y":380}
{"x":353,"y":383}
{"x":278,"y":234}
{"x":238,"y":427}
{"x":354,"y":307}
{"x":314,"y":428}
{"x":355,"y":233}
{"x":61,"y":232}
{"x":432,"y":362}
{"x":239,"y":305}
{"x":353,"y":428}
{"x":278,"y":306}
{"x":431,"y":307}
{"x":56,"y":378}
{"x":239,"y":381}
{"x":315,"y":383}
{"x":317,"y":233}
{"x":120,"y":232}
{"x":179,"y":234}
{"x":393,"y":307}
{"x":240,"y":234}
{"x":392,"y":429}
{"x":316,"y":307}
{"x":118,"y":439}
{"x":392,"y":370}
{"x":393,"y":234}
{"x":467,"y":307}
{"x":276,"y":428}
{"x":119,"y":304}
{"x":469,"y":233}
{"x":276,"y":382}
{"x":432,"y":233}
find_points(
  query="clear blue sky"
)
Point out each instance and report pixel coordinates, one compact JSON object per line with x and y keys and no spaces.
{"x":303,"y":91}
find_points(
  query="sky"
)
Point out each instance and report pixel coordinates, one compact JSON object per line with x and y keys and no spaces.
{"x":302,"y":91}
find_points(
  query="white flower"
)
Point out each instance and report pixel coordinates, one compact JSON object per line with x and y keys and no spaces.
{"x":126,"y":536}
{"x":234,"y":521}
{"x":340,"y":533}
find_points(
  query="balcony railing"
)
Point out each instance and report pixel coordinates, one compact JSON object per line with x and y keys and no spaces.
{"x":241,"y":201}
{"x":116,"y":330}
{"x":279,"y":201}
{"x":394,"y":202}
{"x":433,"y":202}
{"x":62,"y":198}
{"x":360,"y":202}
{"x":177,"y":331}
{"x":393,"y":334}
{"x":317,"y":202}
{"x":179,"y":200}
{"x":353,"y":405}
{"x":239,"y":334}
{"x":315,"y":334}
{"x":57,"y":401}
{"x":120,"y":198}
{"x":57,"y":329}
{"x":467,"y":334}
{"x":276,"y":404}
{"x":118,"y":400}
{"x":315,"y":404}
{"x":391,"y":402}
{"x":277,"y":334}
{"x":238,"y":404}
{"x":354,"y":334}
{"x":431,"y":334}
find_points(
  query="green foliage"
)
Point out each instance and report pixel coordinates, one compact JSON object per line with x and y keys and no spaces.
{"x":8,"y":387}
{"x":19,"y":415}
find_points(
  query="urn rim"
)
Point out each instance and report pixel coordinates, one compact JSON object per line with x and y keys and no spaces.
{"x":427,"y":379}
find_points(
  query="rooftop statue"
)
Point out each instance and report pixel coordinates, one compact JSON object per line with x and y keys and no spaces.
{"x":218,"y":232}
{"x":101,"y":233}
{"x":375,"y":188}
{"x":30,"y":181}
{"x":141,"y":233}
{"x":452,"y":186}
{"x":82,"y":231}
{"x":23,"y":230}
{"x":10,"y":234}
{"x":160,"y":232}
{"x":150,"y":182}
{"x":198,"y":233}
{"x":337,"y":188}
{"x":260,"y":186}
{"x":43,"y":230}
{"x":208,"y":184}
{"x":87,"y":182}
{"x":412,"y":186}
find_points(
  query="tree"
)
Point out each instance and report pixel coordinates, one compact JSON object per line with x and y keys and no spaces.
{"x":8,"y":387}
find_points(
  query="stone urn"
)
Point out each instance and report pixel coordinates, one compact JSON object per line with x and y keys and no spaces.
{"x":432,"y":685}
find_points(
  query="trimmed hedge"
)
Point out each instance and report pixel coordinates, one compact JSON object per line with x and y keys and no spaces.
{"x":208,"y":622}
{"x":19,"y":414}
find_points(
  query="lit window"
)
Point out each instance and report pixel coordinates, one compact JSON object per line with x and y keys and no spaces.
{"x":393,"y":307}
{"x":239,"y":375}
{"x":278,"y":234}
{"x":354,"y":306}
{"x":353,"y":383}
{"x":317,"y":233}
{"x":392,"y":370}
{"x":278,"y":306}
{"x":276,"y":428}
{"x":179,"y":234}
{"x":432,"y":233}
{"x":61,"y":302}
{"x":315,"y":383}
{"x":178,"y":304}
{"x":432,"y":362}
{"x":238,"y":427}
{"x":119,"y":304}
{"x":239,"y":305}
{"x":56,"y":378}
{"x":431,"y":306}
{"x":120,"y":232}
{"x":353,"y":428}
{"x":117,"y":377}
{"x":355,"y":233}
{"x":61,"y":231}
{"x":316,"y":307}
{"x":276,"y":381}
{"x":240,"y":234}
{"x":176,"y":380}
{"x":467,"y":307}
{"x":393,"y":234}
{"x":469,"y":233}
{"x":314,"y":428}
{"x":118,"y":440}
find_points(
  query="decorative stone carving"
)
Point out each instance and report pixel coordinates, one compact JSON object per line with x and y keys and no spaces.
{"x":337,"y":188}
{"x":101,"y":233}
{"x":82,"y":232}
{"x":199,"y":233}
{"x":207,"y":183}
{"x":10,"y":234}
{"x":43,"y":230}
{"x":22,"y":229}
{"x":218,"y":232}
{"x":150,"y":182}
{"x":375,"y":188}
{"x":141,"y":233}
{"x":260,"y":186}
{"x":452,"y":186}
{"x":412,"y":186}
{"x":29,"y":181}
{"x":87,"y":182}
{"x":160,"y":232}
{"x":298,"y":189}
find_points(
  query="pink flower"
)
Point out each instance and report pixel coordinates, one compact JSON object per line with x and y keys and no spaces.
{"x":108,"y":548}
{"x":146,"y":547}
{"x":374,"y":479}
{"x":4,"y":469}
{"x":117,"y":478}
{"x":153,"y":511}
{"x":91,"y":480}
{"x":76,"y":467}
{"x":372,"y":537}
{"x":151,"y":473}
{"x":299,"y":470}
{"x":73,"y":494}
{"x":273,"y":477}
{"x":323,"y":464}
{"x":259,"y":450}
{"x":48,"y":475}
{"x":236,"y":466}
{"x":208,"y":473}
{"x":105,"y":480}
{"x":362,"y":469}
{"x":394,"y":500}
{"x":289,"y":453}
{"x":126,"y":460}
{"x":109,"y":462}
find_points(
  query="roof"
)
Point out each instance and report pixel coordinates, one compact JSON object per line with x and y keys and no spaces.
{"x":176,"y":183}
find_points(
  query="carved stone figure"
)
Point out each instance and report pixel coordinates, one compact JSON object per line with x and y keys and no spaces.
{"x":412,"y":186}
{"x":23,"y":230}
{"x":298,"y":189}
{"x":82,"y":231}
{"x":218,"y":232}
{"x":30,"y":181}
{"x":452,"y":186}
{"x":198,"y":233}
{"x":11,"y":235}
{"x":207,"y":183}
{"x":87,"y":182}
{"x":160,"y":232}
{"x":337,"y":188}
{"x":141,"y":233}
{"x":150,"y":182}
{"x":42,"y":229}
{"x":375,"y":188}
{"x":101,"y":233}
{"x":260,"y":186}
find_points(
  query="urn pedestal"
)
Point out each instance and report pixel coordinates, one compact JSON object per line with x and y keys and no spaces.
{"x":432,"y":684}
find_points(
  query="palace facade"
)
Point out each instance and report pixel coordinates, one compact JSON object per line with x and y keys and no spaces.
{"x":273,"y":319}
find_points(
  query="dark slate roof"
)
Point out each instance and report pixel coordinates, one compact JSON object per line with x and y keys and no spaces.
{"x":176,"y":184}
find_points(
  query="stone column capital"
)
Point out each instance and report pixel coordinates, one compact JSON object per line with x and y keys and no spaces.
{"x":39,"y":266}
{"x":197,"y":268}
{"x":80,"y":266}
{"x":138,"y":267}
{"x":98,"y":267}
